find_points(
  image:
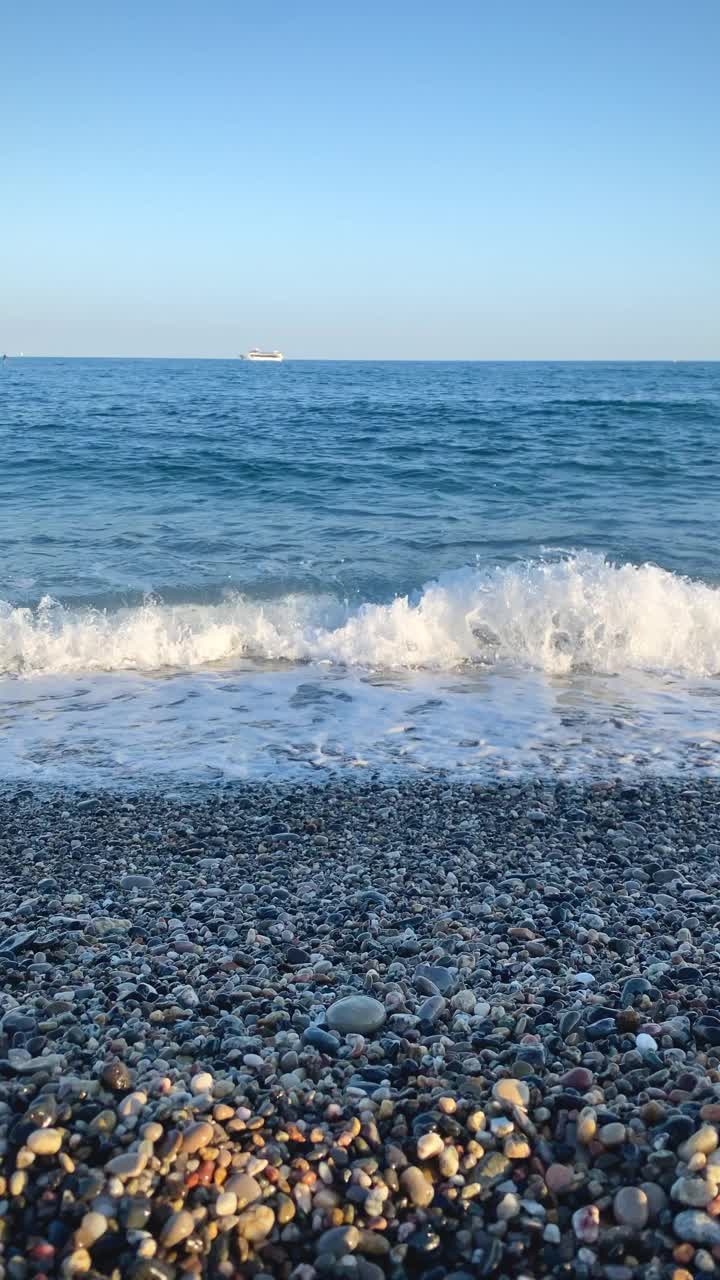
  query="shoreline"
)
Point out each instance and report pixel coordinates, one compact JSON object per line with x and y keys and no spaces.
{"x":525,"y":1082}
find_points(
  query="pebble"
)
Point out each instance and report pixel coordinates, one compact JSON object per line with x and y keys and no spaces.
{"x":338,"y":1241}
{"x":136,"y":882}
{"x":538,"y":1068}
{"x":429,"y":1145}
{"x":696,"y":1192}
{"x":559,"y":1178}
{"x":256,"y":1223}
{"x":704,"y":1142}
{"x":578,"y":1078}
{"x":613,"y":1134}
{"x":178,"y":1227}
{"x":117,"y":1077}
{"x":631,"y":1208}
{"x":517,"y":1147}
{"x":586,"y":1223}
{"x":515,"y":1092}
{"x":245,"y":1188}
{"x":226,"y":1204}
{"x":361,"y":1014}
{"x":44,"y":1142}
{"x":197,"y":1136}
{"x":127,"y":1165}
{"x":93,"y":1226}
{"x":449,"y":1162}
{"x":416,"y":1186}
{"x":697,"y":1227}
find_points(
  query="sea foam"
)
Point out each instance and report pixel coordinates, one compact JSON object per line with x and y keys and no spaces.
{"x":580,"y":612}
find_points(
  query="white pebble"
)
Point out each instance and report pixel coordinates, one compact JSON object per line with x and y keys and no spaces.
{"x":645,"y":1043}
{"x":202,"y":1082}
{"x":226,"y":1204}
{"x":429,"y":1145}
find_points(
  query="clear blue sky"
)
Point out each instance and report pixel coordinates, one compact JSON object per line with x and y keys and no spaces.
{"x":503,"y":179}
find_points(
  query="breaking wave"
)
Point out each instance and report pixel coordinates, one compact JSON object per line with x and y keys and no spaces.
{"x":577,"y":613}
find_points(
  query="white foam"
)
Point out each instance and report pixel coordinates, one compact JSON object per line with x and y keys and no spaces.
{"x":576,"y":613}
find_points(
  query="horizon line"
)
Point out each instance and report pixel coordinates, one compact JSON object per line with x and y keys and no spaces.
{"x":391,"y":359}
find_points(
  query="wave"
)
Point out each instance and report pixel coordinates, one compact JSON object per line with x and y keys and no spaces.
{"x":578,"y":613}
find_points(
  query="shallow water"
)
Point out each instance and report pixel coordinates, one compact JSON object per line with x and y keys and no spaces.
{"x":211,"y":569}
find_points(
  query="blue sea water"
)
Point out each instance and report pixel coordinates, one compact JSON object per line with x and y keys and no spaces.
{"x":217,"y":570}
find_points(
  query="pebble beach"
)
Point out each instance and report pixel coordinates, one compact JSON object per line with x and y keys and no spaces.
{"x":426,"y":1029}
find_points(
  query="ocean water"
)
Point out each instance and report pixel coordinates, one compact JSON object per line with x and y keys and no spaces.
{"x":211,"y":570}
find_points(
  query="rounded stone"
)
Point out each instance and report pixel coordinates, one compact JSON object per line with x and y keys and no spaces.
{"x":321,"y":1040}
{"x":245,"y":1188}
{"x":514,"y":1092}
{"x":695,"y":1192}
{"x":613,"y":1134}
{"x":338,"y":1241}
{"x":449,"y":1162}
{"x":429,"y":1145}
{"x":645,"y":1043}
{"x":44,"y":1142}
{"x":516,"y":1147}
{"x":361,"y":1014}
{"x":178,"y":1227}
{"x":703,"y":1142}
{"x":631,"y":1208}
{"x":127,"y":1165}
{"x":656,"y":1198}
{"x":197,"y":1136}
{"x":226,"y":1204}
{"x":256,"y":1223}
{"x":559,"y":1178}
{"x":416,"y":1186}
{"x":77,"y":1263}
{"x":586,"y":1125}
{"x":578,"y":1078}
{"x":137,"y":882}
{"x":696,"y":1227}
{"x":586,"y":1223}
{"x":93,"y":1226}
{"x":117,"y":1077}
{"x":440,"y":977}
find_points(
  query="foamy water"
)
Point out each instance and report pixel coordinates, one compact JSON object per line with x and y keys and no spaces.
{"x":211,"y":571}
{"x":573,"y":665}
{"x":579,"y":612}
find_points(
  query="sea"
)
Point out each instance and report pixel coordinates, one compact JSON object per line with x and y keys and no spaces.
{"x":213,"y":571}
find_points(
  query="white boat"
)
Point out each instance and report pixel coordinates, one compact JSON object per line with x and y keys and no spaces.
{"x":255,"y":354}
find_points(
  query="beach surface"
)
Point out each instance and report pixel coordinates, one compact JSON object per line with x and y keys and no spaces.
{"x":416,"y":1029}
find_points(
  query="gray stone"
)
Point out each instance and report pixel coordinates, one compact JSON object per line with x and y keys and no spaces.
{"x":360,"y":1014}
{"x":695,"y":1192}
{"x":178,"y":1227}
{"x":631,"y":1207}
{"x":431,"y":1008}
{"x":321,"y":1040}
{"x":696,"y":1227}
{"x":416,"y":1186}
{"x":440,"y":977}
{"x":137,"y":882}
{"x":338,"y":1241}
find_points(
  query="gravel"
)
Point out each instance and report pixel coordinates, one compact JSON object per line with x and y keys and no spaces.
{"x":414,"y":1030}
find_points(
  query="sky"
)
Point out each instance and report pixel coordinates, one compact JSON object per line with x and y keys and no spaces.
{"x":495,"y":179}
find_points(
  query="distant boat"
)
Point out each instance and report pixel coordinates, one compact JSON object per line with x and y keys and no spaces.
{"x":255,"y":354}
